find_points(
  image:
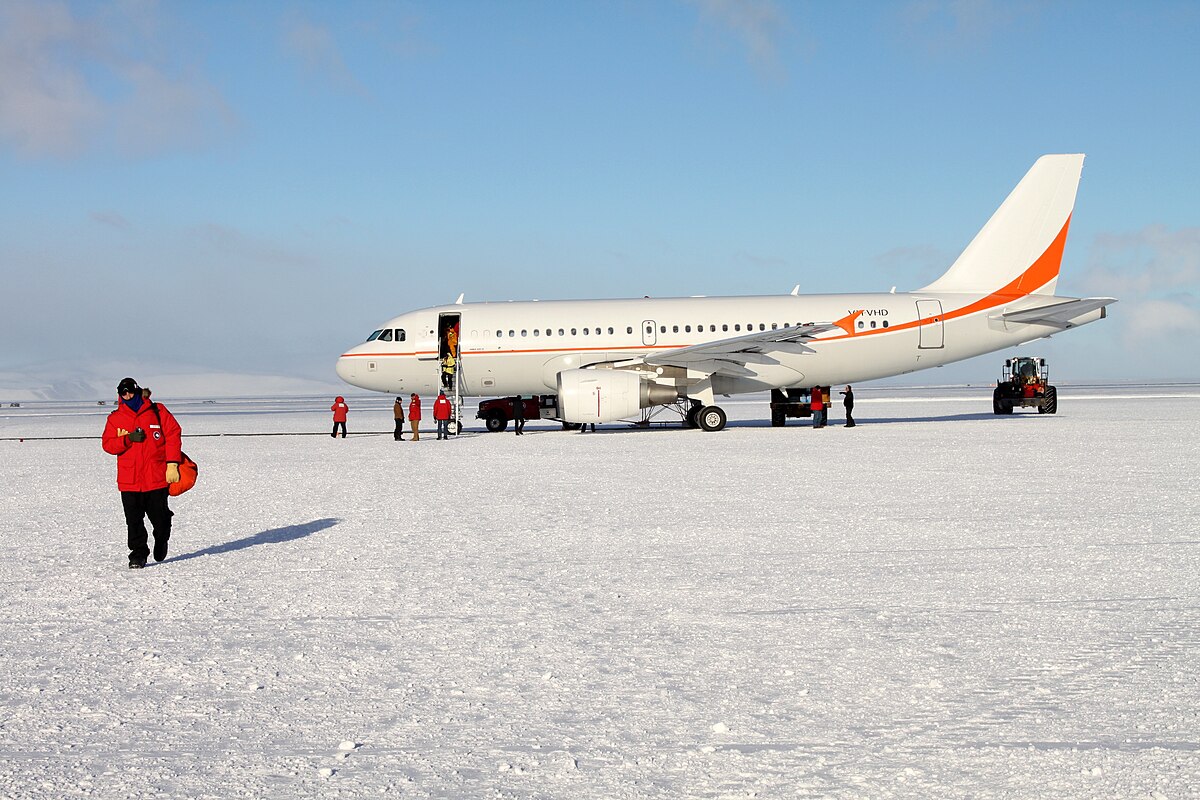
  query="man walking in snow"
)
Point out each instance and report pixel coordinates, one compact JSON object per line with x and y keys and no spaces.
{"x":145,"y":438}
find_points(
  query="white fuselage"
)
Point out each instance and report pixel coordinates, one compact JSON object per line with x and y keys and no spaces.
{"x":520,"y":347}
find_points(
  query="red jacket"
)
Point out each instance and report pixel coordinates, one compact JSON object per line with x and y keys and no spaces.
{"x":142,"y":466}
{"x":441,"y":407}
{"x":339,"y":409}
{"x":414,"y":409}
{"x":817,"y":403}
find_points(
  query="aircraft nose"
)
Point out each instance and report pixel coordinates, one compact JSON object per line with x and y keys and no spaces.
{"x":346,"y":369}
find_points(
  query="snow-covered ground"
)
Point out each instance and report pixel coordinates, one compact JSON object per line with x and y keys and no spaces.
{"x":937,"y":603}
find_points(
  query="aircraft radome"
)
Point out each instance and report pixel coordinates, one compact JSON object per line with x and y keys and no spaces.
{"x":608,"y":360}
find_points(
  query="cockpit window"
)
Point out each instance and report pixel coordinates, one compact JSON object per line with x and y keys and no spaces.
{"x":386,"y":336}
{"x":374,"y":336}
{"x":399,"y":334}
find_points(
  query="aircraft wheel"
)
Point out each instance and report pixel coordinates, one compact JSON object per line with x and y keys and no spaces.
{"x":778,"y":418}
{"x":689,"y":418}
{"x":711,"y":418}
{"x":457,"y":427}
{"x":496,"y":421}
{"x":1049,"y":402}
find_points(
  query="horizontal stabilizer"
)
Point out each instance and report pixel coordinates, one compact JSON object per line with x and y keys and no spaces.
{"x":1058,"y":315}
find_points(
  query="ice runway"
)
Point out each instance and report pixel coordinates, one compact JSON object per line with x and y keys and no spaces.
{"x":937,"y":603}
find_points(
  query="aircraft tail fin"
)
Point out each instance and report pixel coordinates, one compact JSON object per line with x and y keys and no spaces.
{"x":1019,"y":250}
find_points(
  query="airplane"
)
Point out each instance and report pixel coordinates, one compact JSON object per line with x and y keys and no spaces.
{"x":610,"y":360}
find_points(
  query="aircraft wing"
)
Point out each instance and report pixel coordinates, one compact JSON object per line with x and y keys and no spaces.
{"x":729,"y":356}
{"x":1058,"y":315}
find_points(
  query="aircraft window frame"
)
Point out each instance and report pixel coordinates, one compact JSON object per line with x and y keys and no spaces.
{"x":738,"y":327}
{"x":385,"y":335}
{"x":724,"y":329}
{"x":774,"y":326}
{"x":610,"y":331}
{"x":549,"y":331}
{"x":402,"y":336}
{"x":629,"y":330}
{"x":512,"y":334}
{"x":537,"y":332}
{"x":374,"y":335}
{"x":687,"y":328}
{"x":662,"y":329}
{"x":574,"y":331}
{"x":861,"y":324}
{"x":562,"y":332}
{"x":762,"y":326}
{"x":524,"y":332}
{"x":674,"y":329}
{"x":499,"y":334}
{"x":585,"y":331}
{"x":885,"y":323}
{"x":872,"y":324}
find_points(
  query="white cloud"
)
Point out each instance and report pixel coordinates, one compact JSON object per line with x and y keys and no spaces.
{"x":955,"y":26}
{"x":1154,"y":319}
{"x":316,"y":49}
{"x":757,"y":25}
{"x":70,"y":83}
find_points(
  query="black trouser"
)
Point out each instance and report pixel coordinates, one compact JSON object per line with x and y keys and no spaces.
{"x":399,"y":430}
{"x":849,"y":417}
{"x":519,"y":424}
{"x":138,"y":506}
{"x":335,"y":427}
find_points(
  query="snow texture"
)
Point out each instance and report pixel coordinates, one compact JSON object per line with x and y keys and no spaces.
{"x":937,"y":603}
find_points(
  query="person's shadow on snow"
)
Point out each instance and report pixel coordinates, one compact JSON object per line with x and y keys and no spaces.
{"x":273,"y":536}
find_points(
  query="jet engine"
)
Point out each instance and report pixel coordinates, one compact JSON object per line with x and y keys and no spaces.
{"x":595,"y":395}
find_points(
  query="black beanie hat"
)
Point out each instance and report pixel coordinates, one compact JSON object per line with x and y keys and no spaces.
{"x":128,"y":385}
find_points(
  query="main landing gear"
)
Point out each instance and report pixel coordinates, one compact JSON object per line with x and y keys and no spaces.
{"x":709,"y":418}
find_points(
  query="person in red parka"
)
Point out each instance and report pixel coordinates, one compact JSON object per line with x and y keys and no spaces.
{"x":441,"y":413}
{"x":339,"y":409}
{"x":414,"y":416}
{"x":817,"y":406}
{"x":145,"y":438}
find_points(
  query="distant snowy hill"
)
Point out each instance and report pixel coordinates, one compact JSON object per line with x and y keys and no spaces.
{"x":57,"y":381}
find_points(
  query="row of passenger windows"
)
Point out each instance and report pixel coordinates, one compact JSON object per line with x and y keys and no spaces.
{"x":726,"y":328}
{"x":397,"y":334}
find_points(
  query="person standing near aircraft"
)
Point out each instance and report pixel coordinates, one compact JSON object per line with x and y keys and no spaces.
{"x":145,"y":438}
{"x":519,"y":415}
{"x":340,"y":410}
{"x":817,"y":406}
{"x":398,"y":413}
{"x":848,"y":402}
{"x":441,"y":414}
{"x":414,"y":416}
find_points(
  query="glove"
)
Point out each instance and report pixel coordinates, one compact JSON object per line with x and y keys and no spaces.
{"x":172,"y":472}
{"x":138,"y":435}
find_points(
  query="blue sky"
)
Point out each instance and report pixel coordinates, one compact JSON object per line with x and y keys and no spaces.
{"x":252,"y":187}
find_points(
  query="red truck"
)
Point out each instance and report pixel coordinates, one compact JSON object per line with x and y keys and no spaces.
{"x":497,"y":413}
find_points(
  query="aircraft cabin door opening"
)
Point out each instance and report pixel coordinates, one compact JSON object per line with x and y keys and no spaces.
{"x":930,"y":313}
{"x":448,"y":331}
{"x":649,"y":334}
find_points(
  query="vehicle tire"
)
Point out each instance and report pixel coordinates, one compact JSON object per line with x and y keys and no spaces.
{"x":1001,"y":404}
{"x":496,"y":421}
{"x":778,"y":418}
{"x":457,"y":428}
{"x":689,"y":418}
{"x":711,"y":418}
{"x":1049,"y":401}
